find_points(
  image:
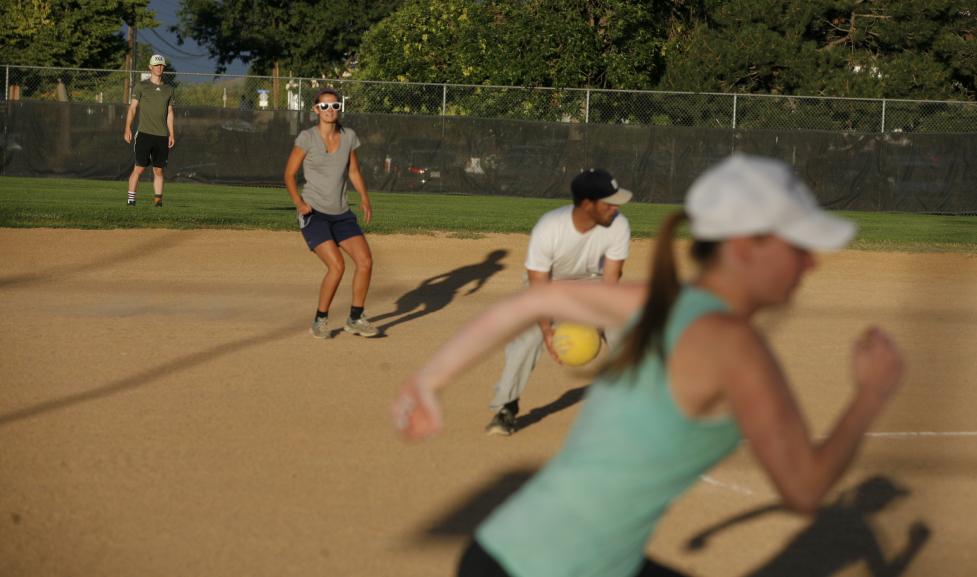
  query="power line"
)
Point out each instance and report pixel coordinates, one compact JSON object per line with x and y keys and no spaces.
{"x":174,"y":48}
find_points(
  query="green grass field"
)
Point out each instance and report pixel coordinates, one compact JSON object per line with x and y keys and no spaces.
{"x":64,"y":203}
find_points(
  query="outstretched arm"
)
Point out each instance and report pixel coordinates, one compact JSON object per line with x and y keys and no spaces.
{"x":416,"y":411}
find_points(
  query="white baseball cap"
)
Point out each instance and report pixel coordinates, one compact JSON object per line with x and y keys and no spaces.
{"x":747,"y":195}
{"x":157,"y":59}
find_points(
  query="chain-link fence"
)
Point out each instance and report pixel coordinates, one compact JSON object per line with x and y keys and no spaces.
{"x":645,"y":108}
{"x":857,"y":154}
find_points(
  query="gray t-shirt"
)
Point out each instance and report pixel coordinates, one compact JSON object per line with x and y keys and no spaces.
{"x":326,"y":173}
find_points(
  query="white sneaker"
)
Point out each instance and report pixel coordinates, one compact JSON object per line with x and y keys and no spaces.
{"x":319,"y":328}
{"x":361,"y":327}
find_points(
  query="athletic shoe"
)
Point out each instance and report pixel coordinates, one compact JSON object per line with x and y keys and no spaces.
{"x":319,"y":328}
{"x":502,"y":424}
{"x":131,"y":202}
{"x":158,"y":201}
{"x":361,"y":327}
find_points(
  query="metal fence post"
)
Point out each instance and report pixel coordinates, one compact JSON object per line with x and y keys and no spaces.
{"x":587,"y":110}
{"x":734,"y":111}
{"x":444,"y":100}
{"x":883,"y":116}
{"x":6,"y":83}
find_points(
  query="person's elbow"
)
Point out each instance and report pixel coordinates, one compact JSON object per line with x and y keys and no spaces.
{"x":802,"y":505}
{"x":801,"y":496}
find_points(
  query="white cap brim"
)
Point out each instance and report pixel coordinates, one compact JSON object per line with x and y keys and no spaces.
{"x":819,"y":231}
{"x":622,"y":196}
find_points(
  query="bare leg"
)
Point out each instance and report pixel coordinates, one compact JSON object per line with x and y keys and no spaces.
{"x":329,"y":253}
{"x":359,"y":250}
{"x":158,"y":181}
{"x":134,"y":177}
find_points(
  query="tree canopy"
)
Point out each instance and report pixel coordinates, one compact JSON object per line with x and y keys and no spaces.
{"x":69,"y":33}
{"x":869,"y":48}
{"x":305,"y":37}
{"x":560,"y":43}
{"x":923,"y":49}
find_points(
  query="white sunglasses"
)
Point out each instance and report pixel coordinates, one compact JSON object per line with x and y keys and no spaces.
{"x":328,"y":105}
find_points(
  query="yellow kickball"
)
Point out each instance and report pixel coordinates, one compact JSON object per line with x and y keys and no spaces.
{"x":576,"y":345}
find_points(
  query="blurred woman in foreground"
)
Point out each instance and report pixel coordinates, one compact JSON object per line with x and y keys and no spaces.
{"x":693,"y":377}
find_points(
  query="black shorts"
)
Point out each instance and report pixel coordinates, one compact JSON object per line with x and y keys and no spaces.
{"x":476,"y":562}
{"x":317,"y":227}
{"x":151,"y":147}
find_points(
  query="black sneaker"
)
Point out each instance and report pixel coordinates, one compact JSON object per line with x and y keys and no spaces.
{"x":158,"y":202}
{"x":502,"y":424}
{"x":131,"y":202}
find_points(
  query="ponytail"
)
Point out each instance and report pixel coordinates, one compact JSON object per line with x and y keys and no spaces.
{"x":650,"y":331}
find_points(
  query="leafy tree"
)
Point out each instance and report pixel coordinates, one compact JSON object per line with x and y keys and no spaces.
{"x":69,"y":33}
{"x":431,"y":41}
{"x":316,"y":38}
{"x":556,"y":43}
{"x":864,"y":48}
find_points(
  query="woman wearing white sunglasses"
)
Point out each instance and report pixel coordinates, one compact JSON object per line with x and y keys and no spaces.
{"x":326,"y":153}
{"x":691,"y":380}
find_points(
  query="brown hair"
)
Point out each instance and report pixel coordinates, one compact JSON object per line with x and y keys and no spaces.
{"x":649,"y":333}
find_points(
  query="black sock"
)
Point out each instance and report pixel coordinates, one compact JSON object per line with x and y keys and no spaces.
{"x":512,"y":407}
{"x":321,"y":315}
{"x":355,"y":312}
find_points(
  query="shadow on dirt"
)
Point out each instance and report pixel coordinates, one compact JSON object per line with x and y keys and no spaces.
{"x":840,"y":536}
{"x":437,"y":292}
{"x":142,"y":250}
{"x":537,"y":414}
{"x":149,"y":375}
{"x":465,"y":516}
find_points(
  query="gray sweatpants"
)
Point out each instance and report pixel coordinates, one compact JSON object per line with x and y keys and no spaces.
{"x":521,"y":355}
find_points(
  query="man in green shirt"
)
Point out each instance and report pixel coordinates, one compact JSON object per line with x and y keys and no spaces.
{"x":154,"y":136}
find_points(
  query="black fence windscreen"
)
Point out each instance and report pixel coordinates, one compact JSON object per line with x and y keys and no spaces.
{"x":892,"y":171}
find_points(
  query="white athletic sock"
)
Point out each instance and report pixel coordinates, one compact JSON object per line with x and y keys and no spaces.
{"x":132,"y":195}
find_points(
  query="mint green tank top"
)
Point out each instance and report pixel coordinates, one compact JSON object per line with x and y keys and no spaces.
{"x":630,"y":453}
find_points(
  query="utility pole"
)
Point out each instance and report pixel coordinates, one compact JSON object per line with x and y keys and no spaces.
{"x":274,"y":86}
{"x":130,"y":59}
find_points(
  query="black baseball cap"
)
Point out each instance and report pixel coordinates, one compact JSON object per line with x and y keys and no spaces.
{"x":598,"y":184}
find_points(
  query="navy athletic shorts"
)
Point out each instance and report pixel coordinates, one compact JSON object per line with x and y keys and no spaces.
{"x":151,"y":147}
{"x":317,"y":227}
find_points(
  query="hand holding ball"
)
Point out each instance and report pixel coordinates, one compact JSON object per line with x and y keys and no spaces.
{"x":576,"y":345}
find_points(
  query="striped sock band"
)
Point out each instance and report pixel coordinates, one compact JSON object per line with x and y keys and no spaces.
{"x":132,"y":196}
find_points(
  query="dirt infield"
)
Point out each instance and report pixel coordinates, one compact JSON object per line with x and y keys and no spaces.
{"x":164,"y":411}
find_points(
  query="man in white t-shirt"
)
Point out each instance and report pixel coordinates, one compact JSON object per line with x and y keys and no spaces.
{"x":587,"y":240}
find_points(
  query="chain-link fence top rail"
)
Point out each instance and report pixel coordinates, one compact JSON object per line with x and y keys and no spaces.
{"x":694,"y":110}
{"x":437,"y":138}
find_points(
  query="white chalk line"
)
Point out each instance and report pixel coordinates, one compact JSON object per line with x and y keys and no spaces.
{"x":911,"y":434}
{"x":728,"y":486}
